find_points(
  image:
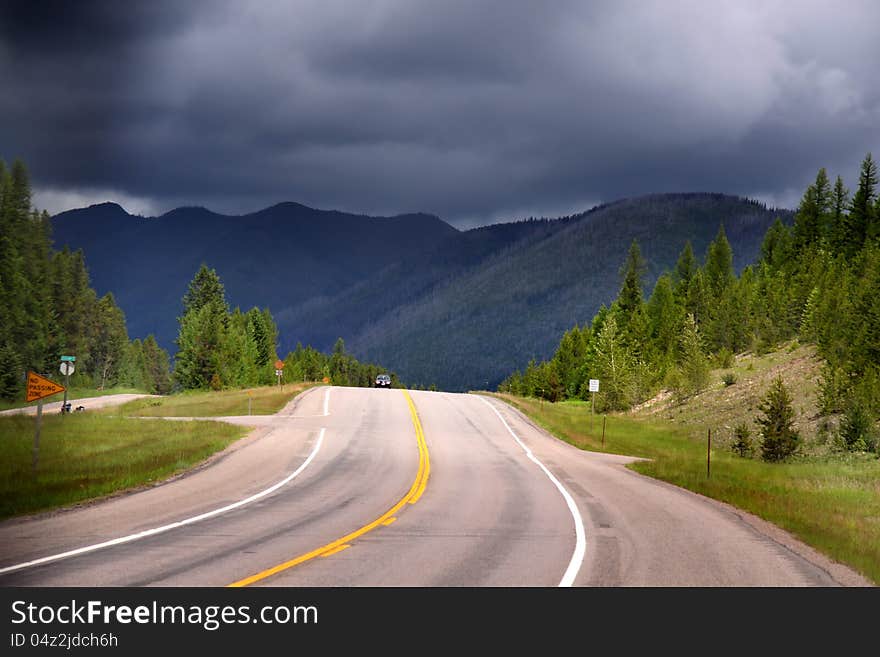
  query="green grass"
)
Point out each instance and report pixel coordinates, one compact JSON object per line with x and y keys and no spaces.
{"x":265,"y":400}
{"x":832,"y":504}
{"x":72,"y":393}
{"x":86,"y":456}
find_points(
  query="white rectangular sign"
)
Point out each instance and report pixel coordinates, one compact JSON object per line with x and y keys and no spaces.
{"x":594,"y":385}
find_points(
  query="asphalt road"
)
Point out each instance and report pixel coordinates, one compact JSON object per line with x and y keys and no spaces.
{"x":342,"y":489}
{"x":88,"y":402}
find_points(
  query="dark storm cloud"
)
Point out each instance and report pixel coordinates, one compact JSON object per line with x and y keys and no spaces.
{"x":475,"y":111}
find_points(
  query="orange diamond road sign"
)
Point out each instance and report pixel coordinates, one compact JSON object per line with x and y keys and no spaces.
{"x":39,"y":387}
{"x":279,"y":364}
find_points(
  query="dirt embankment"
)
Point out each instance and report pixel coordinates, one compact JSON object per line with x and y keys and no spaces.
{"x":722,"y":407}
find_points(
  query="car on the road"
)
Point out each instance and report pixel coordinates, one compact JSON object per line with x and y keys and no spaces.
{"x":383,"y":381}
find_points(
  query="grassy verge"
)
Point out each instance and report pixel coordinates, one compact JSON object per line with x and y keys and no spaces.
{"x":84,"y":456}
{"x":832,"y":504}
{"x":72,"y":393}
{"x":265,"y":400}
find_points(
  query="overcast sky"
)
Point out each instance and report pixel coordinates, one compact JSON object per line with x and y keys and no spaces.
{"x":472,"y":110}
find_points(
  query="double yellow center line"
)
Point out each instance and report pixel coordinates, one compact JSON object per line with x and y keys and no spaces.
{"x":411,"y":497}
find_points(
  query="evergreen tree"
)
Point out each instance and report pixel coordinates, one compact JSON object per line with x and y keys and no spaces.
{"x":685,"y":269}
{"x":834,"y":230}
{"x":630,"y":306}
{"x":630,"y":298}
{"x":133,"y":370}
{"x":665,"y":317}
{"x":199,"y":342}
{"x":109,"y":342}
{"x":256,"y":322}
{"x":718,"y":269}
{"x":74,"y":303}
{"x":777,"y":246}
{"x":569,"y":358}
{"x":205,"y":288}
{"x":699,"y":299}
{"x":693,"y":370}
{"x":860,"y":223}
{"x":11,"y":372}
{"x":202,"y":336}
{"x":614,"y":368}
{"x":779,"y":439}
{"x":157,"y":366}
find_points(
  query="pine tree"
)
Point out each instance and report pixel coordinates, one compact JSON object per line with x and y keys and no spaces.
{"x":685,"y":269}
{"x":630,"y":305}
{"x":614,"y":368}
{"x":834,"y":229}
{"x":197,"y":363}
{"x":665,"y":317}
{"x":205,"y":288}
{"x":699,"y":298}
{"x":260,"y":336}
{"x":109,"y":340}
{"x":133,"y":370}
{"x":779,"y":439}
{"x":777,"y":246}
{"x":693,"y":366}
{"x":860,"y":223}
{"x":718,"y":269}
{"x":630,"y":298}
{"x":157,"y":365}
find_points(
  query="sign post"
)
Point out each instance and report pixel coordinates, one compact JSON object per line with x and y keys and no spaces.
{"x":67,"y":368}
{"x":39,"y":387}
{"x":709,"y":454}
{"x":279,"y":371}
{"x":594,"y":388}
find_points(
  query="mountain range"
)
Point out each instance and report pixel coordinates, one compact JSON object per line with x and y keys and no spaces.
{"x":438,"y":305}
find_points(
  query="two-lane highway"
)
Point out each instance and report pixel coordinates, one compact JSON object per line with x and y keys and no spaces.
{"x":363,"y":487}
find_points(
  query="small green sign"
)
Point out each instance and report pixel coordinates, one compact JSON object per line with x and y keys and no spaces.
{"x":68,"y":358}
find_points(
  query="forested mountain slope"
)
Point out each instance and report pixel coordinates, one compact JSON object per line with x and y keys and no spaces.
{"x":458,"y":309}
{"x":477,"y":328}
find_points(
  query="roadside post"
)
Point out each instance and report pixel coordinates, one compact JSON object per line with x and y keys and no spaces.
{"x":67,"y":368}
{"x":604,"y":417}
{"x":709,"y":453}
{"x":594,"y":388}
{"x":249,"y":401}
{"x":279,"y":371}
{"x":39,"y":387}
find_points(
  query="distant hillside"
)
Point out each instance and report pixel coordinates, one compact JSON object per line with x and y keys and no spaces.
{"x":477,"y":328}
{"x":436,"y":305}
{"x":279,"y":257}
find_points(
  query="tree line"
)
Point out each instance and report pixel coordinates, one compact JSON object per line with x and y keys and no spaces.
{"x":222,"y":348}
{"x":48,"y":308}
{"x":817,"y":280}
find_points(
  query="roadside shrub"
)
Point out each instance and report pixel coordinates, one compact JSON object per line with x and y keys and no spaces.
{"x":833,"y":390}
{"x":856,"y":428}
{"x":728,"y":378}
{"x":724,"y":359}
{"x":742,"y":443}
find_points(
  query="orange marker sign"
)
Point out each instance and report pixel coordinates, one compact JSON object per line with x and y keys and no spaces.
{"x":279,"y":364}
{"x":39,"y":387}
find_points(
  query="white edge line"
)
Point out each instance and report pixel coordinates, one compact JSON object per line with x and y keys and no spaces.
{"x":173,"y":525}
{"x":577,"y":558}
